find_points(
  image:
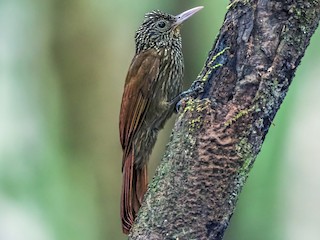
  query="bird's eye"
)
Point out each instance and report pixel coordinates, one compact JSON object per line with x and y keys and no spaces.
{"x":162,"y":25}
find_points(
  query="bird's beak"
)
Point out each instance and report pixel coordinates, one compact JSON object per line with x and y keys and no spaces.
{"x":185,"y":15}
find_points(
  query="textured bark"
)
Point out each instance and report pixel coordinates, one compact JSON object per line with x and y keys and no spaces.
{"x":218,"y":135}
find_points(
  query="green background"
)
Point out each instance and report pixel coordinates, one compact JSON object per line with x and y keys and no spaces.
{"x":62,"y":70}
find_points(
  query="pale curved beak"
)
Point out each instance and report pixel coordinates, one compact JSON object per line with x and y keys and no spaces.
{"x":185,"y":15}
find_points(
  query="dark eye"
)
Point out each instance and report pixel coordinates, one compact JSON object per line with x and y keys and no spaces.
{"x":162,"y":24}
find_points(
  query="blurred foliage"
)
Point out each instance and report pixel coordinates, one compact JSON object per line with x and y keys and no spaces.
{"x":62,"y":70}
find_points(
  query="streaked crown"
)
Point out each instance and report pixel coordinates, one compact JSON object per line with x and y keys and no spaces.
{"x":158,"y":30}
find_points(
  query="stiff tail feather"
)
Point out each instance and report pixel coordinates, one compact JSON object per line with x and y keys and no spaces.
{"x":134,"y":186}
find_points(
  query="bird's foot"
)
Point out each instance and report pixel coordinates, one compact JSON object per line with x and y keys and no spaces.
{"x":196,"y":88}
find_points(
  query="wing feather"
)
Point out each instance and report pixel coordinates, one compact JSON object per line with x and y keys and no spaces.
{"x":142,"y":76}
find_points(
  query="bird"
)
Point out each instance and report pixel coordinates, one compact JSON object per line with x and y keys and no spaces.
{"x":154,"y":79}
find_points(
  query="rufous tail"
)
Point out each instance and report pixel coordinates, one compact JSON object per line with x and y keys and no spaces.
{"x":134,"y":186}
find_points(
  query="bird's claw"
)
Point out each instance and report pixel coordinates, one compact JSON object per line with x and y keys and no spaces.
{"x":195,"y":89}
{"x":178,"y":106}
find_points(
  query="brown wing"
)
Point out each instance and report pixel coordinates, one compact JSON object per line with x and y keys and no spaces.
{"x":142,"y":76}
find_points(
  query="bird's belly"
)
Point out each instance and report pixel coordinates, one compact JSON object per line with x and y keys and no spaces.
{"x":159,"y":111}
{"x":162,"y":105}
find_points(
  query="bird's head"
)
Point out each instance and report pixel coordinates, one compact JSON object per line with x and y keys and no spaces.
{"x":160,"y":29}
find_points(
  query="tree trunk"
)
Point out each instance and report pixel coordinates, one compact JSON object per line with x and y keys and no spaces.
{"x":218,"y":135}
